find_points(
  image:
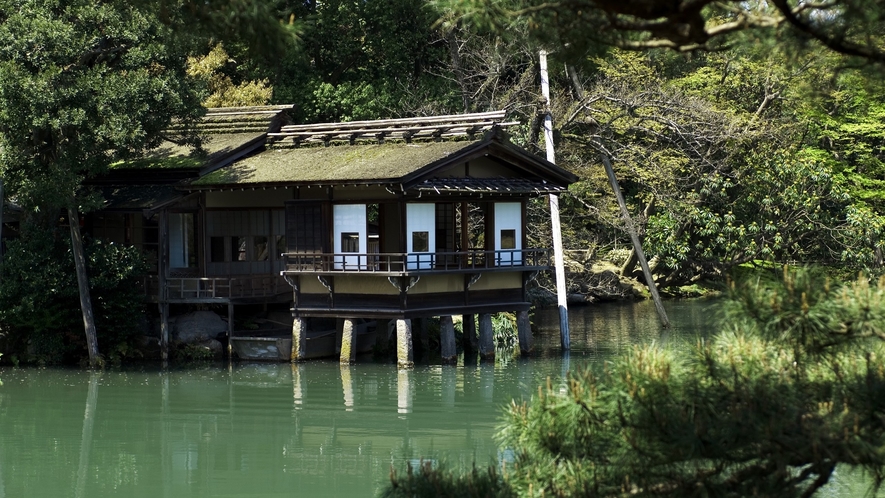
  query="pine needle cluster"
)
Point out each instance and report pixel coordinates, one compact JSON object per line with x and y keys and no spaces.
{"x":793,"y":388}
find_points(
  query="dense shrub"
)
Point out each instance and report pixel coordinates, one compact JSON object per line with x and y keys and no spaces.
{"x":40,"y":304}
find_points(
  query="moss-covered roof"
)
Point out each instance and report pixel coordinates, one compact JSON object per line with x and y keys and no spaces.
{"x":174,"y":156}
{"x":224,"y":131}
{"x":333,"y":164}
{"x":139,"y":196}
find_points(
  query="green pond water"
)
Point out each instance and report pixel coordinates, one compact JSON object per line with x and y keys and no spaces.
{"x":315,"y":429}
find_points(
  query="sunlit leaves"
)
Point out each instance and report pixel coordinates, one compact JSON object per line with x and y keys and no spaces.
{"x":81,"y":85}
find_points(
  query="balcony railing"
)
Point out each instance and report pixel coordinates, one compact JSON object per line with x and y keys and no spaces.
{"x":408,"y":263}
{"x":217,"y":288}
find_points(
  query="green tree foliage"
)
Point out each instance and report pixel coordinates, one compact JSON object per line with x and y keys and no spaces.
{"x":771,"y":406}
{"x":725,"y":159}
{"x":259,"y":29}
{"x":223,"y":92}
{"x":850,"y":27}
{"x":85,"y":84}
{"x":39,"y":302}
{"x":82,"y":85}
{"x":363,"y":60}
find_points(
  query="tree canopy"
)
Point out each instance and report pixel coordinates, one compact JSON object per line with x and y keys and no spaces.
{"x":86,"y":84}
{"x":850,"y":27}
{"x":83,"y":85}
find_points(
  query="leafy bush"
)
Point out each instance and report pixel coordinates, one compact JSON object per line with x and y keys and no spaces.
{"x":504,"y":327}
{"x":40,"y":304}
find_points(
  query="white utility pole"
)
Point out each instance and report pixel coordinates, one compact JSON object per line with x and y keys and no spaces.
{"x":558,"y":259}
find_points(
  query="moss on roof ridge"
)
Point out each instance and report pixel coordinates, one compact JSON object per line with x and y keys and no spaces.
{"x":167,"y":163}
{"x":335,"y":163}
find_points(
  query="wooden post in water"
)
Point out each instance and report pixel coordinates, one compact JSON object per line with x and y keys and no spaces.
{"x":162,"y":291}
{"x":524,"y":330}
{"x":299,"y":339}
{"x":637,"y":246}
{"x":83,"y":285}
{"x":556,"y":228}
{"x":468,"y":327}
{"x":447,"y":339}
{"x":348,"y":341}
{"x":230,"y":329}
{"x":404,"y":357}
{"x":486,"y":337}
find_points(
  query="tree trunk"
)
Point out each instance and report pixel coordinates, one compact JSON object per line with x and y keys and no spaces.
{"x":83,"y":284}
{"x":457,"y":68}
{"x":633,"y":259}
{"x":637,"y":246}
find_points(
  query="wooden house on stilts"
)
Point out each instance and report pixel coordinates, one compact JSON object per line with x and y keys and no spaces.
{"x":387,"y":220}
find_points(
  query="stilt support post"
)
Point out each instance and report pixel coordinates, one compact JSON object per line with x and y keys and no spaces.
{"x":447,"y":339}
{"x":404,"y":343}
{"x":486,"y":337}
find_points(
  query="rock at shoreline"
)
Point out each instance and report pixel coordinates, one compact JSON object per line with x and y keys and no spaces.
{"x":198,"y":327}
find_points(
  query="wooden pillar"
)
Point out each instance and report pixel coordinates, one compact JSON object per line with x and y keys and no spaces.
{"x":230,"y":329}
{"x":524,"y":330}
{"x":465,"y":230}
{"x":468,"y":326}
{"x":447,"y":339}
{"x":164,"y":331}
{"x":558,"y":258}
{"x":486,"y":337}
{"x":404,"y":357}
{"x":348,"y":341}
{"x":162,"y":291}
{"x":299,"y":339}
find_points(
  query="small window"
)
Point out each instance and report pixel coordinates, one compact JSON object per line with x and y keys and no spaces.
{"x":216,"y":249}
{"x":508,"y":239}
{"x":420,"y":241}
{"x":238,"y":248}
{"x":260,"y":247}
{"x":182,"y":243}
{"x":350,"y":242}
